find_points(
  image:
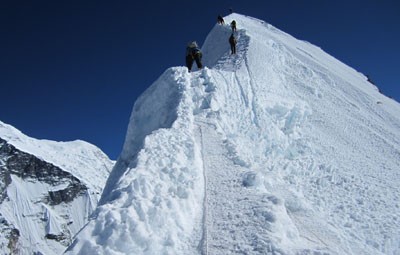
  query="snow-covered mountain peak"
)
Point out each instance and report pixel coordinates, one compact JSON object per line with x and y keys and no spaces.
{"x":80,"y":158}
{"x":48,"y":190}
{"x":277,"y":149}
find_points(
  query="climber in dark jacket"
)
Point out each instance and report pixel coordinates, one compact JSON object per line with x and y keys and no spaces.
{"x":232,"y":42}
{"x":193,"y":53}
{"x":220,"y":20}
{"x":233,"y":26}
{"x":189,"y":58}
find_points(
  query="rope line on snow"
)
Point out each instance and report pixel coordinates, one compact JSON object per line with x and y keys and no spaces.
{"x":204,"y":241}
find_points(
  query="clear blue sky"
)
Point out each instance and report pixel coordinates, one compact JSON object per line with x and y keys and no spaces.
{"x":73,"y":69}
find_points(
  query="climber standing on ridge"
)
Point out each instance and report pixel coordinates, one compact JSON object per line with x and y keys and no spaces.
{"x":232,"y":42}
{"x":220,"y":20}
{"x":233,"y":26}
{"x":193,"y":53}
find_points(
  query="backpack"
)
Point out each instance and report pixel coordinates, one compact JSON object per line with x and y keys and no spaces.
{"x":196,"y":51}
{"x":193,"y":44}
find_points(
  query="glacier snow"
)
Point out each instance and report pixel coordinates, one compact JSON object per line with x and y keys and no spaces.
{"x":279,"y":149}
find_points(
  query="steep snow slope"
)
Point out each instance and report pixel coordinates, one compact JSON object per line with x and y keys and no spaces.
{"x":48,"y":190}
{"x":279,"y":149}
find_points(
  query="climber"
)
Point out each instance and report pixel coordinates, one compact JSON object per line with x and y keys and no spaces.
{"x":220,"y":20}
{"x":193,"y":53}
{"x":232,"y":42}
{"x":233,"y":26}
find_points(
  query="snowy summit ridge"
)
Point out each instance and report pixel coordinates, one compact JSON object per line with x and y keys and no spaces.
{"x":279,"y":149}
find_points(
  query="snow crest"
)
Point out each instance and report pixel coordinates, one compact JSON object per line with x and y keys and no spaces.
{"x":279,"y":149}
{"x":152,"y":202}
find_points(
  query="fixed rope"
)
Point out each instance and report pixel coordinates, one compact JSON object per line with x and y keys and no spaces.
{"x":204,"y":239}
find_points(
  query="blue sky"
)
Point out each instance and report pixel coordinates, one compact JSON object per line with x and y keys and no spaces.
{"x":73,"y":69}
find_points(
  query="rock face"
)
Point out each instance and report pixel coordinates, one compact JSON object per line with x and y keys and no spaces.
{"x":10,"y":236}
{"x":27,"y":166}
{"x":43,"y":205}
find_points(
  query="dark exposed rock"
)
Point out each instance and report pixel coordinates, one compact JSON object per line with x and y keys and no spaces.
{"x":66,"y":195}
{"x":13,"y":241}
{"x":58,"y":238}
{"x":48,"y":190}
{"x":24,"y":165}
{"x":12,"y":236}
{"x":14,"y":162}
{"x":5,"y":177}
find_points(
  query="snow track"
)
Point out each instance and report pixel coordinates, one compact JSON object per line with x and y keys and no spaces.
{"x":227,"y":228}
{"x":238,"y":218}
{"x":203,"y":246}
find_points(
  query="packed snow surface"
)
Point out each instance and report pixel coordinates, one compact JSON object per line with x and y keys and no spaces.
{"x":279,"y":149}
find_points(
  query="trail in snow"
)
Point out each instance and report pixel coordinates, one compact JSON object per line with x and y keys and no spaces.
{"x":232,"y":211}
{"x":203,"y":245}
{"x":238,"y":217}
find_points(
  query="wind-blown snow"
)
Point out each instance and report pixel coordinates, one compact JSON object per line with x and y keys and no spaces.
{"x":279,"y":149}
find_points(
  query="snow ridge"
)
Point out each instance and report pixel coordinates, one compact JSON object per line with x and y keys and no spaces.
{"x":275,"y":150}
{"x":157,"y":199}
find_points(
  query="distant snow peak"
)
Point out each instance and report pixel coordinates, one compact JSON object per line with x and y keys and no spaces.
{"x":43,"y":204}
{"x":278,"y":149}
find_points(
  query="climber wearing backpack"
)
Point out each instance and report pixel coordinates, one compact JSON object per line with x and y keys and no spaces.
{"x":233,"y":26}
{"x":220,"y":20}
{"x":193,"y":53}
{"x":232,"y":42}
